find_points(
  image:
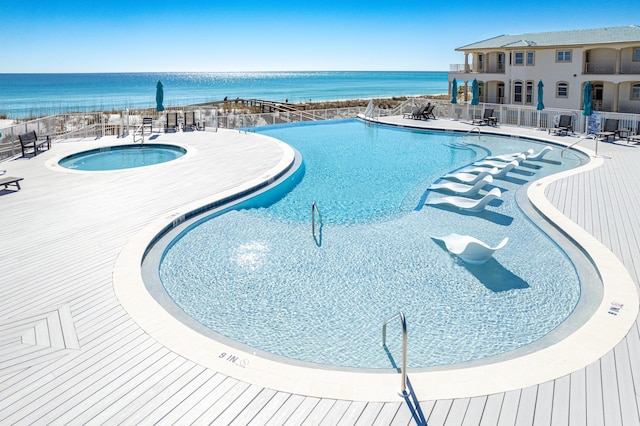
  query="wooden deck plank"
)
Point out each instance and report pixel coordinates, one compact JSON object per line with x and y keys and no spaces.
{"x":509,"y":411}
{"x":457,"y":412}
{"x":253,"y":408}
{"x":270,"y":408}
{"x":578,"y":399}
{"x":319,"y":412}
{"x":492,"y":408}
{"x":544,"y":404}
{"x":336,"y":413}
{"x":561,"y":401}
{"x":595,"y":406}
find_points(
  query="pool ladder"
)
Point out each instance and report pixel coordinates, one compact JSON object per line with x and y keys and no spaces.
{"x":403,"y":371}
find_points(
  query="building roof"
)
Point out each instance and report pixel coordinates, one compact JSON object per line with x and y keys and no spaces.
{"x":629,"y":33}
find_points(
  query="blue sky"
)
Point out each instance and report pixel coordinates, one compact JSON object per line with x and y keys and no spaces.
{"x":121,"y":36}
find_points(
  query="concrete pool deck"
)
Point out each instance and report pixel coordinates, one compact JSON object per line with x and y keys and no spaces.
{"x":91,"y":362}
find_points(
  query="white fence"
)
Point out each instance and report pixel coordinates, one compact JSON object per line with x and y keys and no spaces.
{"x":95,"y":125}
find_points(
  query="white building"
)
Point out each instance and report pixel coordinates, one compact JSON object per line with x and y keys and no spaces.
{"x":509,"y":67}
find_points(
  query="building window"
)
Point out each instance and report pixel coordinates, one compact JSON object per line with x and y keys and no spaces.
{"x":531,"y":58}
{"x":562,"y":90}
{"x":563,"y":56}
{"x":528,"y":94}
{"x":519,"y":58}
{"x":635,"y":92}
{"x":517,"y":92}
{"x":636,"y":54}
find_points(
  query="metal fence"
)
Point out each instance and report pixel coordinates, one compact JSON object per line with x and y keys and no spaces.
{"x":98,"y":124}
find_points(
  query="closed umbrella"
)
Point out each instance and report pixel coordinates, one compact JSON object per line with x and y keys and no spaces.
{"x":454,"y":91}
{"x":540,"y":92}
{"x":474,"y":92}
{"x":588,"y":92}
{"x":159,"y":97}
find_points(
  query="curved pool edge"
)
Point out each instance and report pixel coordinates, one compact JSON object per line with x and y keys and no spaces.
{"x":590,"y":342}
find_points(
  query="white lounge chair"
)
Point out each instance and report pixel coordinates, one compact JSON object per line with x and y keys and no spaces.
{"x":499,"y":163}
{"x":468,"y":178}
{"x":463,"y":188}
{"x":467,"y":204}
{"x":540,"y":154}
{"x":510,"y":157}
{"x":470,"y":249}
{"x":495,"y":172}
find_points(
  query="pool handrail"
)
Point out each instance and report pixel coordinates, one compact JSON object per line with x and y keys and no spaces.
{"x":403,"y":322}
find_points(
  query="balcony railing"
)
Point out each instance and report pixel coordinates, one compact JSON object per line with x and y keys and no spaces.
{"x":600,"y":68}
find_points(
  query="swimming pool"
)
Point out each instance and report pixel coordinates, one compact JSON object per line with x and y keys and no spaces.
{"x":122,"y":157}
{"x":382,"y":257}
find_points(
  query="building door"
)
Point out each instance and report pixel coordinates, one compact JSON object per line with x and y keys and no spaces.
{"x":596,"y":96}
{"x":500,"y":93}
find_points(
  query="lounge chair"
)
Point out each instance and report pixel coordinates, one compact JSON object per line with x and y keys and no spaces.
{"x":495,"y":172}
{"x":463,"y":188}
{"x":189,"y":121}
{"x":499,"y":163}
{"x":428,"y":113}
{"x":415,"y":110}
{"x":538,"y":155}
{"x":468,"y":204}
{"x":510,"y":157}
{"x":565,"y":125}
{"x":11,"y":180}
{"x":635,"y":138}
{"x":609,"y":130}
{"x":470,"y":249}
{"x":468,"y":178}
{"x":171,"y":123}
{"x":147,"y":123}
{"x":487,"y":118}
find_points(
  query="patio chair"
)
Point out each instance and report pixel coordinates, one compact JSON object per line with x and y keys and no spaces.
{"x":487,"y":118}
{"x":635,"y":138}
{"x":172,"y":122}
{"x":189,"y":121}
{"x":470,"y":249}
{"x":565,"y":125}
{"x":609,"y":130}
{"x":428,"y":113}
{"x":147,"y":123}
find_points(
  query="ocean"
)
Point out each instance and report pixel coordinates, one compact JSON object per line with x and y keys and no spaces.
{"x":34,"y":95}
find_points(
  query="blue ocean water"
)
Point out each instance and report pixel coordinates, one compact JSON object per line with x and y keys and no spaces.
{"x":25,"y":95}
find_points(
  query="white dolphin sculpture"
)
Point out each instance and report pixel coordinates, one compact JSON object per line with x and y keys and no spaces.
{"x":463,"y":188}
{"x":470,"y":249}
{"x":468,"y":204}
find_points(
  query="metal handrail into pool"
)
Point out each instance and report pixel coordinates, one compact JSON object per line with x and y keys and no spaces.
{"x":403,"y":322}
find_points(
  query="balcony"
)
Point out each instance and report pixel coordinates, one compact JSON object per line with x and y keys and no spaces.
{"x":599,"y":68}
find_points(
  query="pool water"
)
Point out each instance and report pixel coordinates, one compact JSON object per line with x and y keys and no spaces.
{"x":260,"y":277}
{"x":122,"y":157}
